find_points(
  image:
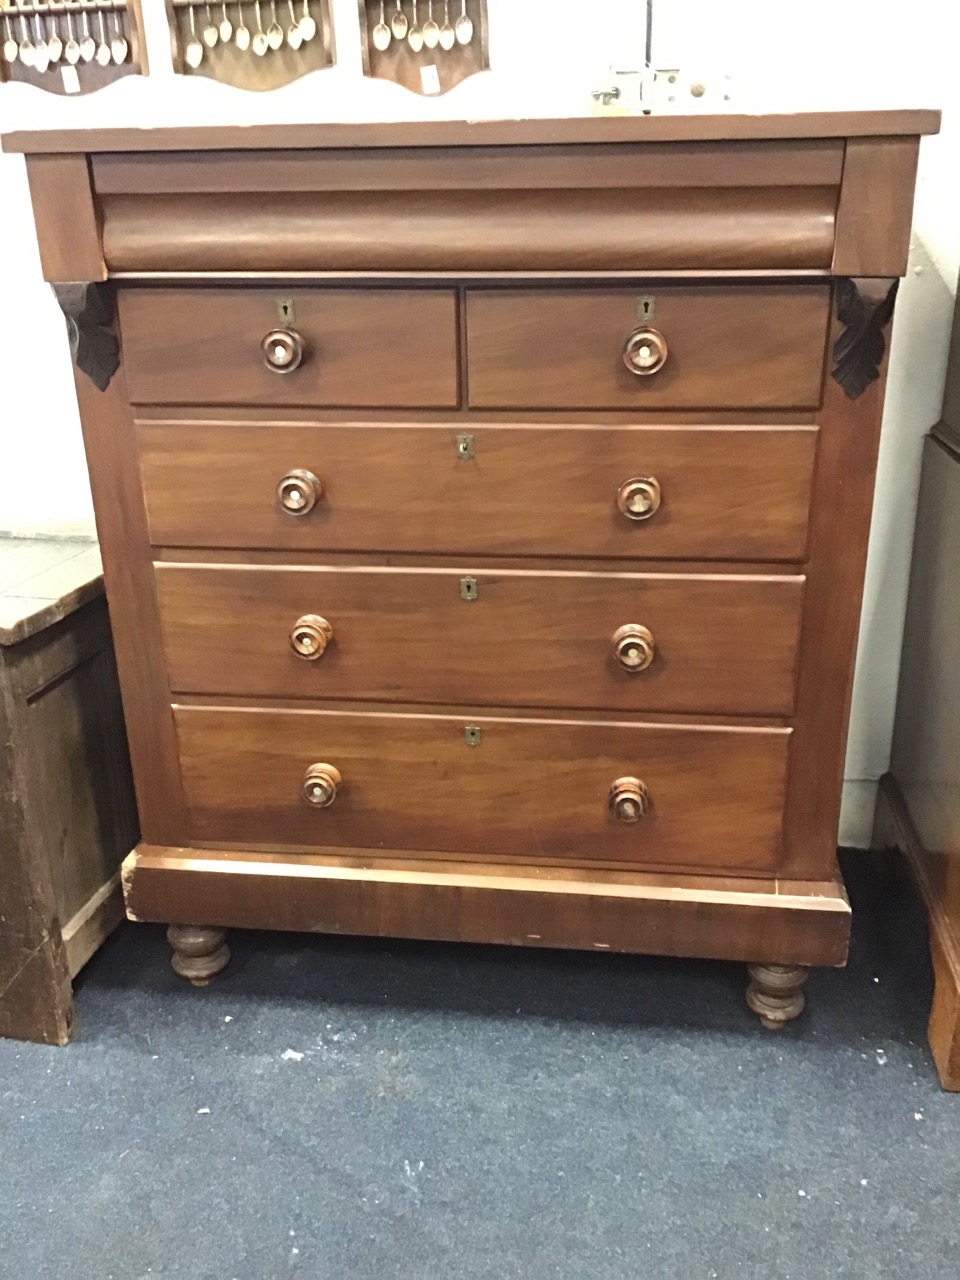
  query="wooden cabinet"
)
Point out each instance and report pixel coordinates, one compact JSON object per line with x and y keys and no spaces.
{"x":484,"y":511}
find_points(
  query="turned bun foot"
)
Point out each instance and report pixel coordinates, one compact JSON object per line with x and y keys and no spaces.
{"x":199,"y":952}
{"x":775,"y":993}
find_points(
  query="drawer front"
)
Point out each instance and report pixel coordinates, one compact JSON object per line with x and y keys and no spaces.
{"x":724,"y":493}
{"x":360,"y":347}
{"x":536,"y":789}
{"x":760,"y":347}
{"x":472,"y":635}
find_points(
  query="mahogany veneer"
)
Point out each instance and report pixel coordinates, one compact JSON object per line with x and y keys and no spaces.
{"x":484,"y":511}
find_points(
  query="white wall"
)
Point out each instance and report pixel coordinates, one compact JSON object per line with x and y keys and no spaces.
{"x":819,"y":54}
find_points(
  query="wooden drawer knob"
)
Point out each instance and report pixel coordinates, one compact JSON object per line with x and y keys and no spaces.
{"x":320,"y":785}
{"x":633,"y":647}
{"x":645,"y":352}
{"x":639,"y":498}
{"x":282,"y":350}
{"x":298,"y":492}
{"x":310,"y":636}
{"x":629,"y":799}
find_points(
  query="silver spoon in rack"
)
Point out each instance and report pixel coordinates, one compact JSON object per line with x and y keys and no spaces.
{"x":294,"y":37}
{"x":88,"y":46}
{"x":242,"y":36}
{"x":193,"y":54}
{"x":11,"y":49}
{"x":308,"y":26}
{"x":54,"y":42}
{"x":398,"y":23}
{"x":260,"y":42}
{"x":226,"y":26}
{"x":71,"y":50}
{"x":274,"y":31}
{"x":41,"y":54}
{"x":381,"y":32}
{"x":103,"y":48}
{"x":415,"y":35}
{"x":448,"y":36}
{"x":431,"y":30}
{"x":464,"y":28}
{"x":118,"y":45}
{"x":26,"y":50}
{"x":211,"y":32}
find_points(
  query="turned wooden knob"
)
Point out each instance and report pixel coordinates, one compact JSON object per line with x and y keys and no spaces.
{"x":629,"y":799}
{"x":645,"y":352}
{"x":310,"y":636}
{"x":639,"y":498}
{"x":320,"y":785}
{"x":282,"y":350}
{"x":633,"y":647}
{"x":298,"y":492}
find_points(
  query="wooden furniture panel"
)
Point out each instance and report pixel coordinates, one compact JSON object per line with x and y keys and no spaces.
{"x":573,"y":229}
{"x":760,"y":347}
{"x":67,"y":813}
{"x":375,"y":347}
{"x":527,"y":490}
{"x":68,"y":225}
{"x":528,"y":789}
{"x":506,"y":441}
{"x":716,"y":644}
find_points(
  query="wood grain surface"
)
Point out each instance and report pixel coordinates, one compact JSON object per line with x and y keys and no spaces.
{"x":363,"y":347}
{"x":530,"y":638}
{"x":531,"y":788}
{"x":727,"y":493}
{"x":729,"y":347}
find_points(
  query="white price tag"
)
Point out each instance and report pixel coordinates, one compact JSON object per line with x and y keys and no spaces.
{"x":71,"y":81}
{"x":430,"y":79}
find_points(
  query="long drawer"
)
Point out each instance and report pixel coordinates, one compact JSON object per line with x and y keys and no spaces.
{"x":678,"y":346}
{"x":622,"y":641}
{"x":537,"y":789}
{"x":699,"y":492}
{"x":356,"y":347}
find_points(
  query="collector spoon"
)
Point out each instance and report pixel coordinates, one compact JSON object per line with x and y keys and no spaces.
{"x":242,"y":36}
{"x":274,"y":31}
{"x":308,"y":26}
{"x":464,"y":28}
{"x":398,"y":23}
{"x":194,"y":50}
{"x":415,"y":35}
{"x":88,"y":46}
{"x":103,"y":48}
{"x":381,"y":32}
{"x":71,"y":50}
{"x":294,"y":35}
{"x":448,"y":36}
{"x":26,"y":44}
{"x":54,"y":43}
{"x":226,"y":26}
{"x":431,"y":30}
{"x":118,"y":45}
{"x":41,"y":54}
{"x":211,"y":32}
{"x":260,"y":42}
{"x":11,"y":50}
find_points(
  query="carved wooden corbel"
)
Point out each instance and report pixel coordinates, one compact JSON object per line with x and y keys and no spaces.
{"x":864,"y":308}
{"x":93,"y":344}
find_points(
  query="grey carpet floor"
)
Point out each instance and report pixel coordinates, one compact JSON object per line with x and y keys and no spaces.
{"x":348,"y":1108}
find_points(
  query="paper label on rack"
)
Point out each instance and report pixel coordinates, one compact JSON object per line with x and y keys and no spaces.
{"x":430,"y":79}
{"x":71,"y":81}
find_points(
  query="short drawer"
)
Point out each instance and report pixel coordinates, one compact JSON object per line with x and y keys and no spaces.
{"x":365,"y":348}
{"x":536,"y":789}
{"x":705,"y":493}
{"x":618,"y":641}
{"x":725,"y":347}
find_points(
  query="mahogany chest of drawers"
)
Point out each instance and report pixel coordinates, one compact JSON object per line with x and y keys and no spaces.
{"x":484,"y":511}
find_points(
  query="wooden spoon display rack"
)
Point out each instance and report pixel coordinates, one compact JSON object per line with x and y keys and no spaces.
{"x":427,"y":59}
{"x":251,"y":44}
{"x":71,"y":46}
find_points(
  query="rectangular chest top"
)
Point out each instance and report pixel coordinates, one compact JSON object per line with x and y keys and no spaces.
{"x":813,"y":193}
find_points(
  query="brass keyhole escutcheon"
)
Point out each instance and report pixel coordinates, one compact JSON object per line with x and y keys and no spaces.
{"x":298,"y":492}
{"x":320,"y":785}
{"x":310,"y":636}
{"x":629,"y":799}
{"x":634,"y":647}
{"x":645,"y":352}
{"x":639,"y":498}
{"x":282,"y":350}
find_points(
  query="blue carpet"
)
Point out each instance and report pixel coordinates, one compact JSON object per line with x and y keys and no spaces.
{"x":347,"y":1108}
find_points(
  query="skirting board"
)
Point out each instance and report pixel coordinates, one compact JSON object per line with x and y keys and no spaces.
{"x":894,"y":828}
